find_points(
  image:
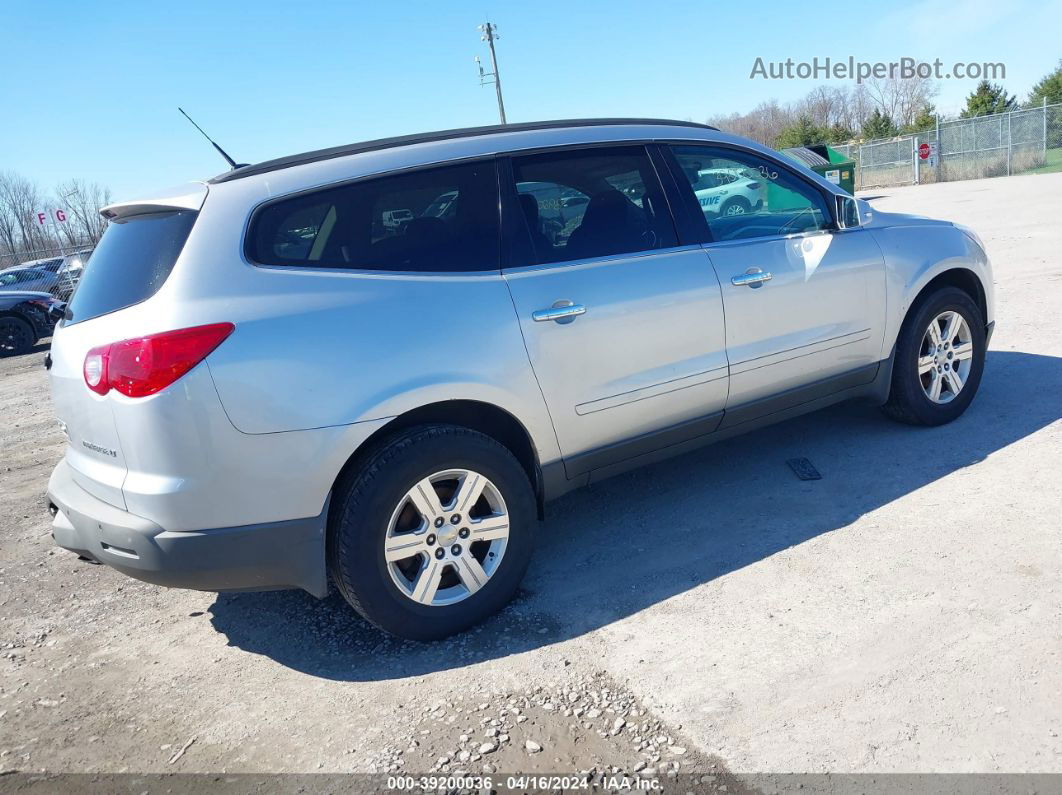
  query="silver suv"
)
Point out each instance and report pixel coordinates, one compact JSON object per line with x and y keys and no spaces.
{"x":268,"y":383}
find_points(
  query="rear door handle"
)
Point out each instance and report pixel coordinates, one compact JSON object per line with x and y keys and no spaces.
{"x":561,"y":312}
{"x":753,"y":277}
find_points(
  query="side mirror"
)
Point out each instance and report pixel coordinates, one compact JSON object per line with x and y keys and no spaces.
{"x":847,"y":213}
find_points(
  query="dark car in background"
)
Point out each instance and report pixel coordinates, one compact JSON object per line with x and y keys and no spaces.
{"x":26,"y":317}
{"x":69,"y":274}
{"x":57,"y":275}
{"x":27,"y":280}
{"x":52,"y":264}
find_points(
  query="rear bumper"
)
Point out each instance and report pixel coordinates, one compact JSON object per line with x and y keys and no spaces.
{"x":258,"y":557}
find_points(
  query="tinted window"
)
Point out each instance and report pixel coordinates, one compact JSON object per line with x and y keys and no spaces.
{"x":592,"y":203}
{"x":132,"y":261}
{"x":742,"y":195}
{"x":443,"y":219}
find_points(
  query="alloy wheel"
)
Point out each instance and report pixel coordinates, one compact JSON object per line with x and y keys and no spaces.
{"x":945,"y":357}
{"x":446,"y":537}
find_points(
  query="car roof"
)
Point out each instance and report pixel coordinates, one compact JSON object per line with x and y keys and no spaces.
{"x":8,"y":296}
{"x":442,"y":135}
{"x":37,"y":263}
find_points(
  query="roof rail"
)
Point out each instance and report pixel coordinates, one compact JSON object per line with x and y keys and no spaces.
{"x":443,"y":135}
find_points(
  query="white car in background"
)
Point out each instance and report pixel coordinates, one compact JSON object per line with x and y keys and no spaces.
{"x":394,"y":220}
{"x":728,"y":191}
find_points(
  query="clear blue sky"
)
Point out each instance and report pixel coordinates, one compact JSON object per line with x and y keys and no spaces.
{"x":90,"y":89}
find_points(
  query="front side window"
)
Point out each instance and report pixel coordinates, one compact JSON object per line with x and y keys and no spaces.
{"x":441,"y":219}
{"x":591,"y":203}
{"x":742,"y":195}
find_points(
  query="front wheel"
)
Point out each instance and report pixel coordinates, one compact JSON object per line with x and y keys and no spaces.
{"x":433,"y":533}
{"x":940,"y":356}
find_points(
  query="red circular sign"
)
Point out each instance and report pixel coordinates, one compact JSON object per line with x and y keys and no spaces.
{"x":923,"y":151}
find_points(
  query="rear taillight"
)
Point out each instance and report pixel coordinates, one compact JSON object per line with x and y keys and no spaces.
{"x":146,"y":365}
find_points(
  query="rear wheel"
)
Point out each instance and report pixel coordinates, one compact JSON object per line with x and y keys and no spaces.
{"x":433,"y":533}
{"x":16,"y":336}
{"x":940,"y":357}
{"x":735,"y":206}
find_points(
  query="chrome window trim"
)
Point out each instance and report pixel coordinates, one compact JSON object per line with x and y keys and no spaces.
{"x":766,"y":238}
{"x":305,"y":270}
{"x":576,"y":263}
{"x":639,"y":140}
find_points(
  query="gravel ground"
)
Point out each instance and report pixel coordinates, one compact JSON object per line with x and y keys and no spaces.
{"x":103,"y":674}
{"x":712,"y":613}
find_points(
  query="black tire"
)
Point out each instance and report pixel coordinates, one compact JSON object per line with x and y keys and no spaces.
{"x":735,"y":201}
{"x":16,"y":336}
{"x":365,"y":499}
{"x":908,"y":401}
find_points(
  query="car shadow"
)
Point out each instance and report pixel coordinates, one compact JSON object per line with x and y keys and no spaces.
{"x":616,"y":548}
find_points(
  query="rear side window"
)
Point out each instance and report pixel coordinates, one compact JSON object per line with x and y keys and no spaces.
{"x":132,"y":261}
{"x":439,"y":219}
{"x":592,"y":203}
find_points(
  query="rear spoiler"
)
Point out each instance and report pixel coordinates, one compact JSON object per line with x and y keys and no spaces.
{"x":183,"y":197}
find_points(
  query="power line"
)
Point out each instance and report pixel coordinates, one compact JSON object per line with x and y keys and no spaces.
{"x":490,"y":33}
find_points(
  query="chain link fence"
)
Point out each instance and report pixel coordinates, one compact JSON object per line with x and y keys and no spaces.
{"x":985,"y":146}
{"x":55,"y":270}
{"x":11,"y":259}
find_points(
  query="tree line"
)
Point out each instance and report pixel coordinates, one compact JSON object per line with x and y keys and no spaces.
{"x":874,"y":109}
{"x":21,"y":199}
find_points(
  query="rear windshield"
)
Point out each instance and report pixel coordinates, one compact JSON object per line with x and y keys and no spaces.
{"x":132,"y":261}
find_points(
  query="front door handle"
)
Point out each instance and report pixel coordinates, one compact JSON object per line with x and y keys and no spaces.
{"x":753,"y":277}
{"x":561,"y":312}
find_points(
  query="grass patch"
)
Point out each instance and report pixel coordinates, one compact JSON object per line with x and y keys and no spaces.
{"x":1052,"y":162}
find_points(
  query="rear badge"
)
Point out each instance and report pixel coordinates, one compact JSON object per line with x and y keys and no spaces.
{"x":804,"y":469}
{"x":97,"y":449}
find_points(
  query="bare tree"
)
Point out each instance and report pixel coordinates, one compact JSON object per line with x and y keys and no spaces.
{"x":10,"y":231}
{"x":823,"y":105}
{"x":762,"y":123}
{"x":22,"y":234}
{"x":857,"y":106}
{"x":82,"y":201}
{"x":842,"y":108}
{"x":20,"y":200}
{"x":901,"y":99}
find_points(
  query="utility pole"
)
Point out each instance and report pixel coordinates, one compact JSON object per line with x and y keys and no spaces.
{"x":490,"y":33}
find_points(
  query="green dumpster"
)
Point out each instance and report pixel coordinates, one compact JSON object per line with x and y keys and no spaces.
{"x":826,"y":161}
